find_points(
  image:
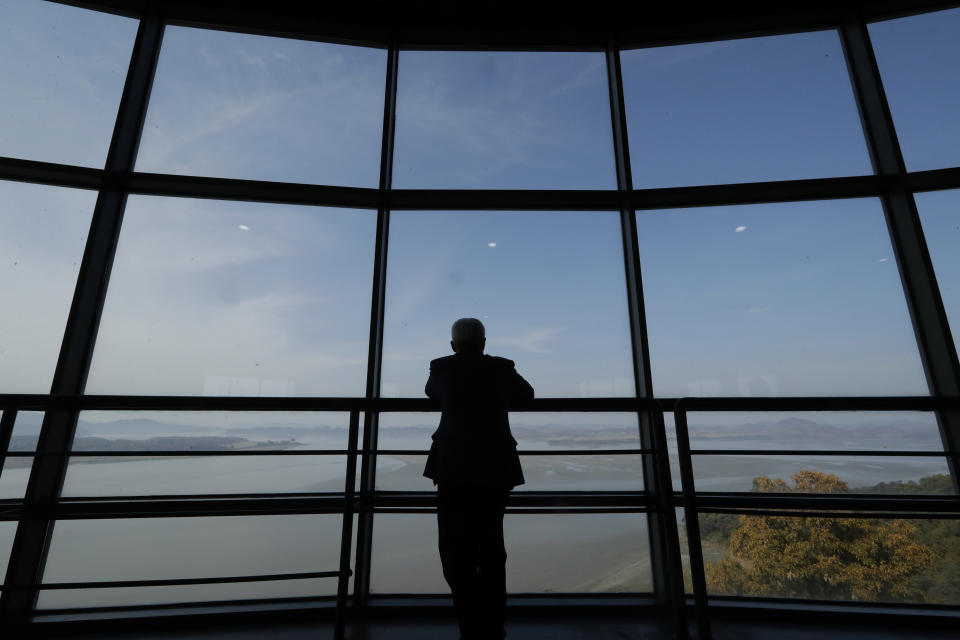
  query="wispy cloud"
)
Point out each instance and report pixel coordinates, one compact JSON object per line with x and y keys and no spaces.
{"x":533,"y":341}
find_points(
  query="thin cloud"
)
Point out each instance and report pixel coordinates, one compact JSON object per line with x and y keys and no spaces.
{"x":532,"y":341}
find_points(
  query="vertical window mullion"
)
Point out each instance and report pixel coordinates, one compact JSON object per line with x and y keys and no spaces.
{"x":937,"y":348}
{"x":662,"y":525}
{"x":56,"y":435}
{"x":368,"y":471}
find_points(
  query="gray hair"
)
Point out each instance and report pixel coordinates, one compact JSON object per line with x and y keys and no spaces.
{"x":467,"y":331}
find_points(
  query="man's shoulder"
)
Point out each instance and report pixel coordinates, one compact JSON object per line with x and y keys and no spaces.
{"x":499,"y":362}
{"x":440,"y":363}
{"x":493,"y":361}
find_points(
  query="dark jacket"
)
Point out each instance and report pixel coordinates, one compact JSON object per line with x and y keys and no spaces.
{"x":473,"y":444}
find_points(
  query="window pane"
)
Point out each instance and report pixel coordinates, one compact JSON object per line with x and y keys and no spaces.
{"x":138,"y":475}
{"x":839,"y":559}
{"x":201,"y":547}
{"x":568,"y":553}
{"x":236,"y":299}
{"x":748,"y":110}
{"x":235,"y":105}
{"x":776,"y":299}
{"x":62,"y":71}
{"x":16,"y":468}
{"x":940,"y":217}
{"x":8,"y":529}
{"x":44,"y":234}
{"x":539,"y":431}
{"x":814,"y":431}
{"x":503,"y":120}
{"x":917,"y":58}
{"x":548,"y":286}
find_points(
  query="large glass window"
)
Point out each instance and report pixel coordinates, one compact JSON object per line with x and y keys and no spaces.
{"x":794,"y":432}
{"x":580,"y":432}
{"x":245,"y":439}
{"x":16,"y":468}
{"x":236,"y":299}
{"x":770,"y":108}
{"x":940,"y":216}
{"x":548,"y":286}
{"x":196,"y":547}
{"x":235,"y":105}
{"x":8,"y":529}
{"x":832,"y":558}
{"x":548,"y":553}
{"x":44,"y":230}
{"x":917,"y":58}
{"x":503,"y":120}
{"x":776,"y":300}
{"x":62,"y":71}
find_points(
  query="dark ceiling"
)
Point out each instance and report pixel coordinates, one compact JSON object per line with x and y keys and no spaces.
{"x":517,"y":24}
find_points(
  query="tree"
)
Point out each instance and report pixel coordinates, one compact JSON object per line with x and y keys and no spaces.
{"x":822,"y":558}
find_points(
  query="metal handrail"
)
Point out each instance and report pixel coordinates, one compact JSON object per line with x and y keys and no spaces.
{"x":693,"y":502}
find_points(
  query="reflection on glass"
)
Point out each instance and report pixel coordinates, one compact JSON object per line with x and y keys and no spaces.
{"x":540,"y":431}
{"x":236,"y":299}
{"x":503,"y":120}
{"x":44,"y":233}
{"x":8,"y":529}
{"x":202,"y":547}
{"x":812,"y":431}
{"x":776,"y":299}
{"x":237,"y":105}
{"x":141,"y":431}
{"x":16,"y":468}
{"x":916,"y":56}
{"x":838,"y":559}
{"x":548,"y":286}
{"x":608,"y":472}
{"x":847,"y":474}
{"x":568,"y":553}
{"x":940,"y":216}
{"x":62,"y":71}
{"x":771,"y":108}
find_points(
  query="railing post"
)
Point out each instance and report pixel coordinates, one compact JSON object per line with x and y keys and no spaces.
{"x":697,"y":575}
{"x":346,"y":541}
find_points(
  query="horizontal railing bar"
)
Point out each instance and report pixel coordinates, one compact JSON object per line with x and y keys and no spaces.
{"x":205,"y":496}
{"x":41,"y":402}
{"x":308,"y":452}
{"x":530,"y":510}
{"x":854,"y":502}
{"x":820,"y":452}
{"x":523,"y":452}
{"x":322,"y":601}
{"x":113,"y":584}
{"x":787,"y":513}
{"x":832,"y":403}
{"x":206,"y":454}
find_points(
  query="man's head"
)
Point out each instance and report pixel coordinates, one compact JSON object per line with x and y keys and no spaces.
{"x":468,"y":336}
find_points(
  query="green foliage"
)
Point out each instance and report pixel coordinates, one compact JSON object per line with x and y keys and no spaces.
{"x":821,"y":558}
{"x":717,"y":527}
{"x":939,"y":484}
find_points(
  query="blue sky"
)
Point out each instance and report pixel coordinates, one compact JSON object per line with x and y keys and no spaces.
{"x":214,"y":297}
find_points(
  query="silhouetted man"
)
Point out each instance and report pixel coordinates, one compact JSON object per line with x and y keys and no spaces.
{"x":474,"y":463}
